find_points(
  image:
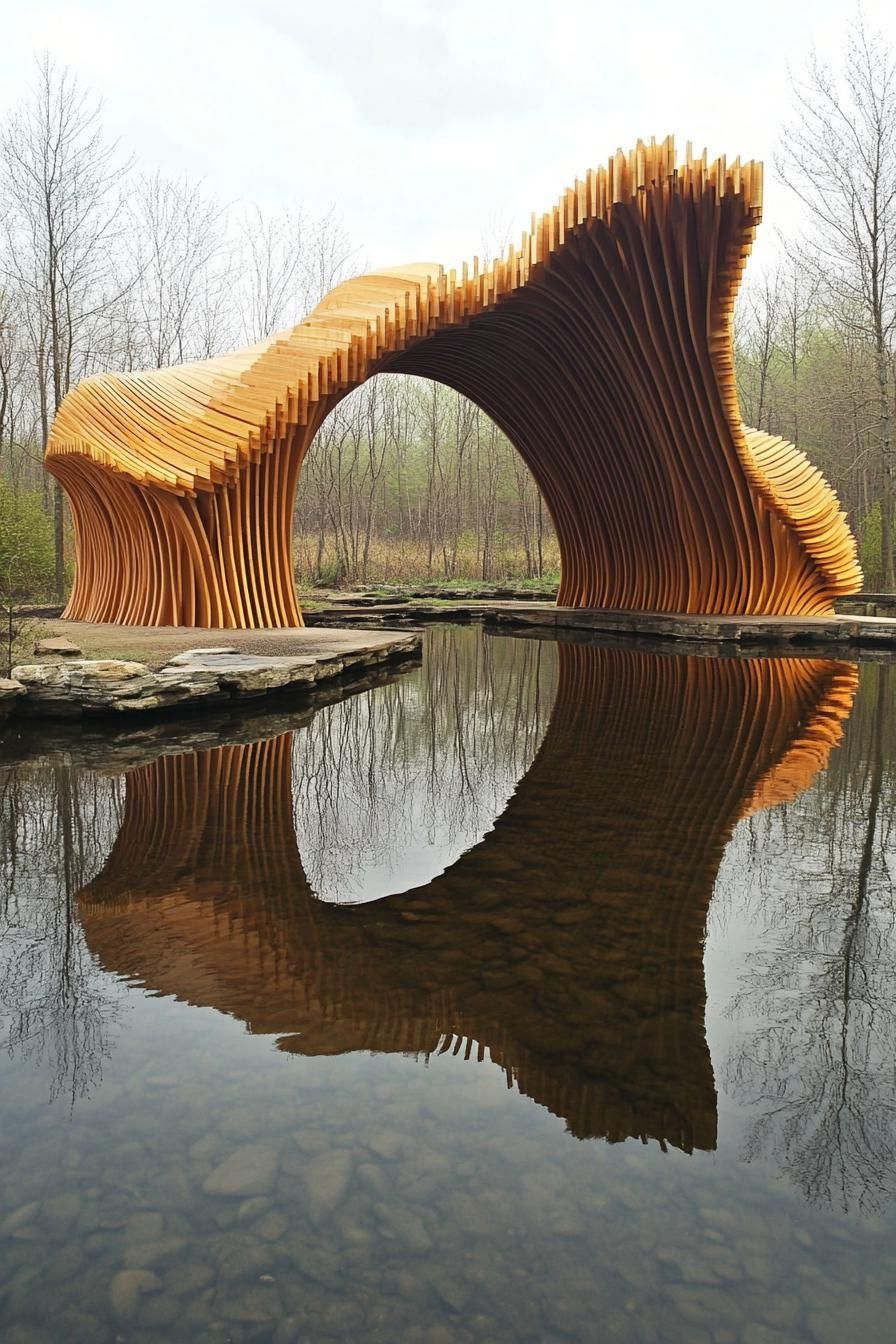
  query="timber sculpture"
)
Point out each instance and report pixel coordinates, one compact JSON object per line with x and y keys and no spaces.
{"x":601,"y":346}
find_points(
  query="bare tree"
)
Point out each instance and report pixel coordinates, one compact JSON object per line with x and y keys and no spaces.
{"x":431,"y":422}
{"x":13,"y":381}
{"x":402,"y":482}
{"x":59,"y":176}
{"x":797,"y":296}
{"x":272,"y":255}
{"x":287,"y":263}
{"x":180,"y":245}
{"x":329,"y":258}
{"x":839,"y":157}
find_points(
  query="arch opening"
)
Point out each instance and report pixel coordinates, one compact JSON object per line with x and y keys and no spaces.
{"x":409,"y":481}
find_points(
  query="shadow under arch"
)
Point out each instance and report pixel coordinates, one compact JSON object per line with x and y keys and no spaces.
{"x":568,"y":944}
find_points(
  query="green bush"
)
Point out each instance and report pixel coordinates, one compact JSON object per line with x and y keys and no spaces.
{"x":27,"y":564}
{"x":27,"y":568}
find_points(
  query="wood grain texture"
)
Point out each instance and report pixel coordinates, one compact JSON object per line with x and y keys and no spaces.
{"x":601,"y":346}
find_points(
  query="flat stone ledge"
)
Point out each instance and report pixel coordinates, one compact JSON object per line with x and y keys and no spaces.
{"x":138,"y":739}
{"x":832,"y":632}
{"x":195,"y":677}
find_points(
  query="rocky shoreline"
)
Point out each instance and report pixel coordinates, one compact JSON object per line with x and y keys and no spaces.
{"x":359,"y":633}
{"x":72,"y":687}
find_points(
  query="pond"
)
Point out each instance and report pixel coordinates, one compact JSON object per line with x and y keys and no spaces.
{"x":543,"y":991}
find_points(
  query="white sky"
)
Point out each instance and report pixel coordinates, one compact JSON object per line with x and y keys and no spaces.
{"x":427,"y":125}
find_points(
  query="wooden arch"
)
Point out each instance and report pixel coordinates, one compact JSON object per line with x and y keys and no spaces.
{"x":602,"y":347}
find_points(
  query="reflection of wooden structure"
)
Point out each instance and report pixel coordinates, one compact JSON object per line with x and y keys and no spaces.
{"x":601,"y":346}
{"x":568,"y":943}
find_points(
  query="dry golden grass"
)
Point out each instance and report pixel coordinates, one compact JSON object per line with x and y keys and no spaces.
{"x":396,"y":561}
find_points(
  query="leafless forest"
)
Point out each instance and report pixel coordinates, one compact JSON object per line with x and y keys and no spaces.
{"x":106,"y":266}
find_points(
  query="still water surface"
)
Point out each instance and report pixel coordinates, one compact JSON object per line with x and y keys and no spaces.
{"x":544,"y":992}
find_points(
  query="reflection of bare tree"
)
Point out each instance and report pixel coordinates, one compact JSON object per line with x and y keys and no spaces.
{"x":55,"y":829}
{"x":819,"y":1067}
{"x":424,"y":764}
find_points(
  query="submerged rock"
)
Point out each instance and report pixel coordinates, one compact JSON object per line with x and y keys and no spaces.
{"x":386,"y":1144}
{"x":192,"y":1277}
{"x":20,"y":1217}
{"x":143,"y":1226}
{"x":408,"y":1227}
{"x":126,"y":1289}
{"x":248,"y":1171}
{"x":272,"y":1226}
{"x":148,"y":1254}
{"x":326,"y":1178}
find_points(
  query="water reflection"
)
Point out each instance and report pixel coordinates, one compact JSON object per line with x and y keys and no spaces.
{"x":814,"y":1059}
{"x":567,"y":943}
{"x":425,"y":765}
{"x":276,"y":1164}
{"x":54,"y":1011}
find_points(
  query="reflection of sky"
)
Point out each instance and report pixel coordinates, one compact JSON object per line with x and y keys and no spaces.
{"x":405,"y":868}
{"x":422,"y":775}
{"x":734,"y":936}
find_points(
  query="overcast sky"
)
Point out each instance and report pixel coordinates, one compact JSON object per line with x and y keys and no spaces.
{"x":427,"y":125}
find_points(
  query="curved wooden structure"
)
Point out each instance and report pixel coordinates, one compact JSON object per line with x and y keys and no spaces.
{"x":571,"y":951}
{"x":601,"y":346}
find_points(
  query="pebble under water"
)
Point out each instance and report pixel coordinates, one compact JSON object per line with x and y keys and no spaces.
{"x":545,"y":991}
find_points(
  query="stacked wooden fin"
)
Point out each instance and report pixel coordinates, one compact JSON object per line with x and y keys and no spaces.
{"x":601,"y":345}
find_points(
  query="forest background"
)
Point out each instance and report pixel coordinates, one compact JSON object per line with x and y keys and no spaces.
{"x":103,"y":266}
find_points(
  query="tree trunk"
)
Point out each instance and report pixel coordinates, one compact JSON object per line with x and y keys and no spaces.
{"x":886,"y":463}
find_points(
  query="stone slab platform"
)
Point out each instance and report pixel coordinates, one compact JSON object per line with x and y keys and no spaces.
{"x":138,"y":739}
{"x":157,"y":645}
{"x":202,"y":668}
{"x":390,"y":615}
{"x":837,"y":633}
